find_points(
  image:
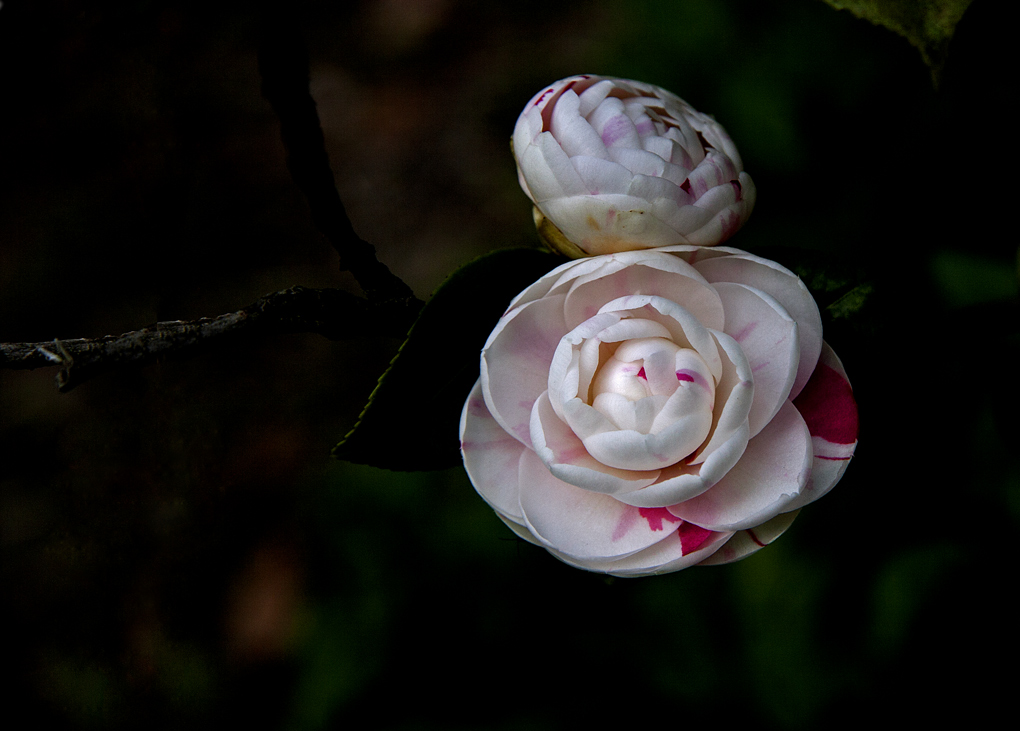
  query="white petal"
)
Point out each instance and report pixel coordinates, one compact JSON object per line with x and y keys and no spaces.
{"x":580,"y":523}
{"x":786,"y":288}
{"x":572,"y":131}
{"x":491,"y":457}
{"x":767,"y":479}
{"x":685,"y":329}
{"x":608,"y":223}
{"x":768,"y":337}
{"x":548,"y":171}
{"x":567,"y":459}
{"x":734,"y":396}
{"x":644,"y":272}
{"x":664,"y":557}
{"x":683,"y":481}
{"x":515,"y":362}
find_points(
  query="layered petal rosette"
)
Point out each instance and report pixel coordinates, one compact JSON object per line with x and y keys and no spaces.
{"x":641,"y":412}
{"x":614,"y":165}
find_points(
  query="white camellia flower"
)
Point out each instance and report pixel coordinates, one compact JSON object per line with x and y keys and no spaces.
{"x":644,"y":411}
{"x":615,"y":165}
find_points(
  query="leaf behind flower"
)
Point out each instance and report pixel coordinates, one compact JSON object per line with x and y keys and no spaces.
{"x":412,"y":417}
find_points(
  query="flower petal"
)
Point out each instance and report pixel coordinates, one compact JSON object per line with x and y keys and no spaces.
{"x":664,"y":557}
{"x":785,"y":287}
{"x":491,"y":457}
{"x":769,"y":476}
{"x":515,"y":362}
{"x":567,"y":459}
{"x":768,"y":337}
{"x":599,"y":527}
{"x":644,"y":272}
{"x":828,"y":407}
{"x":750,"y":540}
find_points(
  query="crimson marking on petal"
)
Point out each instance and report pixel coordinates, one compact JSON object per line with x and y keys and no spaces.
{"x":737,"y":188}
{"x":693,"y":376}
{"x":828,"y":407}
{"x":477,"y":407}
{"x":753,"y":537}
{"x":686,"y":186}
{"x":655,"y":516}
{"x":745,"y":331}
{"x":834,"y":459}
{"x":641,"y":374}
{"x":692,"y":537}
{"x":541,"y":98}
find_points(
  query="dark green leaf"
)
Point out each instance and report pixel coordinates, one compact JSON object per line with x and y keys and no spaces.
{"x":411,"y":420}
{"x":927,"y":24}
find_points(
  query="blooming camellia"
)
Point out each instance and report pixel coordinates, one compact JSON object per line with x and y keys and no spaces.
{"x":615,"y":165}
{"x":644,"y":411}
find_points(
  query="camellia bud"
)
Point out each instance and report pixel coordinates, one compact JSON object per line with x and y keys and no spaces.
{"x":613,"y":165}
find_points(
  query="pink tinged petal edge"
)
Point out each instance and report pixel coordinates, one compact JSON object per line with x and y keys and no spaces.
{"x":745,"y":542}
{"x":491,"y":457}
{"x":515,"y":362}
{"x":579,"y":523}
{"x":765,"y":481}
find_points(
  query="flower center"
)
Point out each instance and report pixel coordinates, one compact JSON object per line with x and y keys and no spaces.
{"x":647,"y":384}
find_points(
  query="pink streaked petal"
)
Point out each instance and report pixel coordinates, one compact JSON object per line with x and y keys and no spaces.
{"x":768,"y":477}
{"x":579,"y":523}
{"x":515,"y":362}
{"x":745,"y":542}
{"x":768,"y":337}
{"x":491,"y":457}
{"x":827,"y":402}
{"x":785,"y":287}
{"x":567,"y":459}
{"x":613,"y":125}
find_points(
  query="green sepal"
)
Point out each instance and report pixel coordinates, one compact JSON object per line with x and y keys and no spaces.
{"x":412,"y":417}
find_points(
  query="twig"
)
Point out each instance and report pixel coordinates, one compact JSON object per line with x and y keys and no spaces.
{"x":283,"y":62}
{"x":329,"y":312}
{"x":391,"y":306}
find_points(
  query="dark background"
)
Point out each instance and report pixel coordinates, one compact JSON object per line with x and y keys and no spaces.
{"x":176,"y":545}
